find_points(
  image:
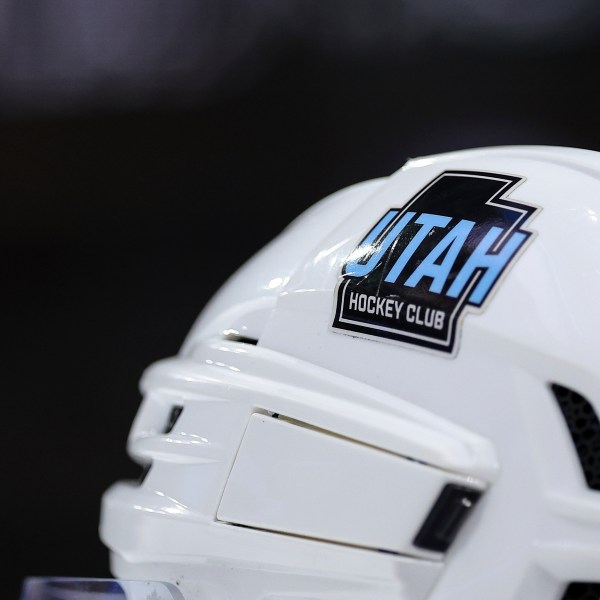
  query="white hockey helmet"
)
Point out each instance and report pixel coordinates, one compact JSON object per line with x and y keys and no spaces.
{"x":397,"y":398}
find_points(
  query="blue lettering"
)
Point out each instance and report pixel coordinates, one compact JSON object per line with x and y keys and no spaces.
{"x":353,"y":267}
{"x":427,"y":222}
{"x":493,"y":263}
{"x":454,"y":239}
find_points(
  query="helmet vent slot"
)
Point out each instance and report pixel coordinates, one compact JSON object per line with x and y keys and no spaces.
{"x":144,"y":473}
{"x":584,"y":426}
{"x":446,"y":517}
{"x":582,"y":591}
{"x":232,"y":335}
{"x":173,"y":416}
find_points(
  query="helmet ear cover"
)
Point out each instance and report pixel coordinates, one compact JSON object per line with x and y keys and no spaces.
{"x":397,"y":392}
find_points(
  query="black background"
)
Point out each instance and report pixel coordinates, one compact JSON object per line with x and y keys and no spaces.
{"x":121,"y":218}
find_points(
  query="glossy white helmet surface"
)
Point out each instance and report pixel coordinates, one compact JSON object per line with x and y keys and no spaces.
{"x":396,"y":398}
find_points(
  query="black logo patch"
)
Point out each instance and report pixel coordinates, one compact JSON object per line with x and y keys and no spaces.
{"x":413,"y":275}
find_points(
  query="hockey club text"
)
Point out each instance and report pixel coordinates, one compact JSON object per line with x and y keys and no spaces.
{"x":420,"y":267}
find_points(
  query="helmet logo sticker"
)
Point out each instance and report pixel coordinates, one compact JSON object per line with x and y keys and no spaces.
{"x":421,"y":267}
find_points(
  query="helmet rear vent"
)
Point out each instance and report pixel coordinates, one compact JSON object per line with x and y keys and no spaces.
{"x":584,"y":426}
{"x":582,"y":591}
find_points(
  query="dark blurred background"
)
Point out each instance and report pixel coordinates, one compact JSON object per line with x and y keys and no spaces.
{"x":136,"y":137}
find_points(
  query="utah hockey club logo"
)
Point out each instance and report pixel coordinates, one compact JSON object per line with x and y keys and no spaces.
{"x":421,"y":267}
